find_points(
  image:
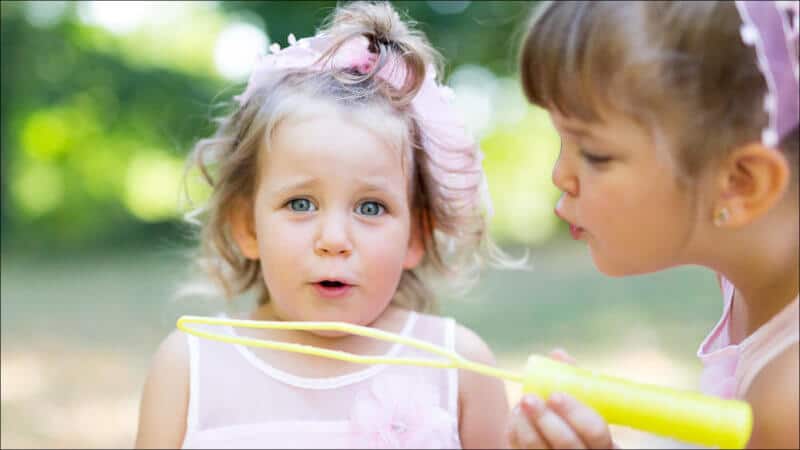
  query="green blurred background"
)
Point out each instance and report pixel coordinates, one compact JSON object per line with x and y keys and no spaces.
{"x":101,"y":102}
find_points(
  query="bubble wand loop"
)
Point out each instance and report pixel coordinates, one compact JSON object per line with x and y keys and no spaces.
{"x":683,"y":415}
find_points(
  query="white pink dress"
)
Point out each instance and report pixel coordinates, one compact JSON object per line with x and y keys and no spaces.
{"x":729,"y":368}
{"x":238,"y":400}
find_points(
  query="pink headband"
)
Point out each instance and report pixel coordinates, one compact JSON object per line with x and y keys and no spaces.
{"x":454,"y":155}
{"x":772,"y":28}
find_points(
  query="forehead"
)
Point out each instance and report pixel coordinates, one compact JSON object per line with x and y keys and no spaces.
{"x":326,"y":145}
{"x":608,"y":126}
{"x":575,"y":127}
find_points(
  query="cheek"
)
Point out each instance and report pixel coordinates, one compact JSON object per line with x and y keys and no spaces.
{"x":604,"y":207}
{"x":616,"y":222}
{"x":382,"y":252}
{"x":649,"y":224}
{"x":630,"y":203}
{"x":281,"y":247}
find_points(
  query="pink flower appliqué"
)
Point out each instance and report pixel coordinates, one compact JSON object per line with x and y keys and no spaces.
{"x":400,"y":412}
{"x":355,"y":54}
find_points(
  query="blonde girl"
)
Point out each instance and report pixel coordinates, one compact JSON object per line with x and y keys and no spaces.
{"x":342,"y":185}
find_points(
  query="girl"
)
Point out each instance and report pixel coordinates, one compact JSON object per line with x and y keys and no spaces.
{"x":340,"y":183}
{"x":679,"y":145}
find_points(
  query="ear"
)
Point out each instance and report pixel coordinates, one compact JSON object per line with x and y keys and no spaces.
{"x":752,"y":180}
{"x":416,"y":242}
{"x":241,"y":220}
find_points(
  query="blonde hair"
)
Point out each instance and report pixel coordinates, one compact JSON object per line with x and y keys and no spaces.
{"x":455,"y":244}
{"x":676,"y":66}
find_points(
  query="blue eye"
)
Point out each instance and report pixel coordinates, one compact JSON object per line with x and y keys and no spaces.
{"x":370,"y":208}
{"x":301,"y":205}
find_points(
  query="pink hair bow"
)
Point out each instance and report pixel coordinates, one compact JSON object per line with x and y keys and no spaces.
{"x":772,"y":28}
{"x":456,"y":159}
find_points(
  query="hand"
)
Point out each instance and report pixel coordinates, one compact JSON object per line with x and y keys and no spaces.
{"x":560,"y":422}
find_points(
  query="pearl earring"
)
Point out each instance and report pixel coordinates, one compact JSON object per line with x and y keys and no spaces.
{"x":721,"y":216}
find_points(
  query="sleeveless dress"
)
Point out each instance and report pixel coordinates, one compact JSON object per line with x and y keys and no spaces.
{"x":238,"y":400}
{"x":729,"y":369}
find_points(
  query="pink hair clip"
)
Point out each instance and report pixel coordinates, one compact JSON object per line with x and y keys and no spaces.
{"x":772,"y":28}
{"x":456,"y":159}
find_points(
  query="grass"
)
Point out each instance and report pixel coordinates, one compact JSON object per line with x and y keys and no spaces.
{"x":78,"y":331}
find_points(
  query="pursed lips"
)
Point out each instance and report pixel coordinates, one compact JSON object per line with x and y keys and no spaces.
{"x":574,"y":230}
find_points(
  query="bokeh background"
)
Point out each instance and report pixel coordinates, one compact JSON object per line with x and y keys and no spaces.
{"x":101,"y":102}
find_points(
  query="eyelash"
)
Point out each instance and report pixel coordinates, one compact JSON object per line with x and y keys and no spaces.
{"x":288,"y":205}
{"x":382,"y":207}
{"x":594,"y":159}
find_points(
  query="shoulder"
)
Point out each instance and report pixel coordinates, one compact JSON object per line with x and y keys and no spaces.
{"x":471,"y":384}
{"x":773,"y":396}
{"x":165,"y":396}
{"x":471,"y":346}
{"x":482,"y":400}
{"x":171,"y":359}
{"x":466,"y":342}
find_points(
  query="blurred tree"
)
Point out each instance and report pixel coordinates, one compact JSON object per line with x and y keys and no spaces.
{"x":96,"y":121}
{"x":477,"y":32}
{"x":74,"y":119}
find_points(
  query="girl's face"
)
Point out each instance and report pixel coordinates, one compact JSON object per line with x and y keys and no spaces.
{"x":332,"y":220}
{"x":621,"y":196}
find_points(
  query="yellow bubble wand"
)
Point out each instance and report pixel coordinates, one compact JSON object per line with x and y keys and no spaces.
{"x":684,"y":415}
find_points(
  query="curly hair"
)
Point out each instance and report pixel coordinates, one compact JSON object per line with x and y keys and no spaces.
{"x":456,"y":242}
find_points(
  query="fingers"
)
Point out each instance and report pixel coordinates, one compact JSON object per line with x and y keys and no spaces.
{"x":561,"y":422}
{"x":589,"y":425}
{"x":553,"y":429}
{"x":522,"y":433}
{"x":559,"y":354}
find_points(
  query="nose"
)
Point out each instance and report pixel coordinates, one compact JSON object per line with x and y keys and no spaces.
{"x":333,"y":237}
{"x":563,"y":176}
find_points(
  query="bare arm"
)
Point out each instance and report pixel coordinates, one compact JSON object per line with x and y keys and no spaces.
{"x":165,"y":398}
{"x":774,"y":399}
{"x":483,"y":405}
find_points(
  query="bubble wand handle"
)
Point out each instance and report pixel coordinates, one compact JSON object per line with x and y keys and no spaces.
{"x":680,"y":414}
{"x":687,"y":416}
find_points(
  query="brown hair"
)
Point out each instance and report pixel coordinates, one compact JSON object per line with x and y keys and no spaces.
{"x":233,"y":155}
{"x":678,"y":66}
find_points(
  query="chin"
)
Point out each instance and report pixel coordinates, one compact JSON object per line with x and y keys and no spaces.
{"x":329,"y":334}
{"x":617,"y":270}
{"x":333,"y":334}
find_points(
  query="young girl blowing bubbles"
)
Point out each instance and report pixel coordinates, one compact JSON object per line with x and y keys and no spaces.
{"x":679,"y":145}
{"x":341,"y":182}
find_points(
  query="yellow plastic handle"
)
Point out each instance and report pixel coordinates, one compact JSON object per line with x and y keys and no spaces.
{"x":683,"y":415}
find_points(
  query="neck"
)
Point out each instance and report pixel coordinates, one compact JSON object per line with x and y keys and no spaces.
{"x":764,"y":271}
{"x":391,"y":320}
{"x":312,"y":366}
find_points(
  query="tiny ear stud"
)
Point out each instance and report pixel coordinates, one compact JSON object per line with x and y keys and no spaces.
{"x":721,"y":216}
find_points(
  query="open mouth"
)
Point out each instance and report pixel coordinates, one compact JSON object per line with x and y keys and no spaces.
{"x":332,"y":288}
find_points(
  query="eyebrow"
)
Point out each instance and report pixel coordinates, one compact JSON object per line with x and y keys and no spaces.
{"x":293,"y":185}
{"x":585,"y":135}
{"x":299,"y":183}
{"x":379,"y":184}
{"x":577,"y":131}
{"x":374,"y":183}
